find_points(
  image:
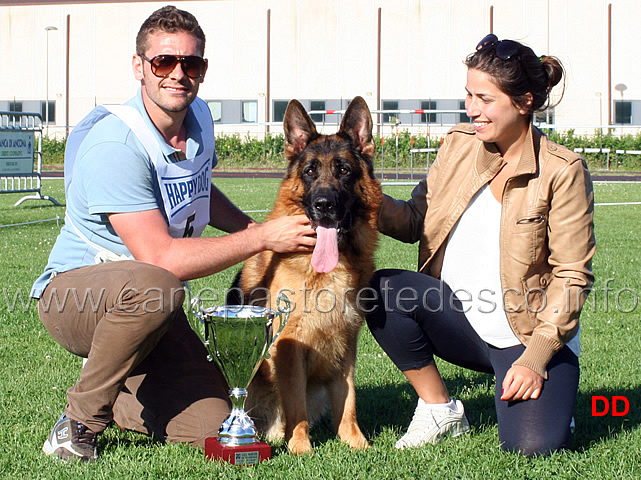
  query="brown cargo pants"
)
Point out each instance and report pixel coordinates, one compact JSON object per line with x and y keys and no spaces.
{"x":146,"y":369}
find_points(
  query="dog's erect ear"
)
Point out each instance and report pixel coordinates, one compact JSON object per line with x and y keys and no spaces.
{"x":299,"y":128}
{"x":357,"y":124}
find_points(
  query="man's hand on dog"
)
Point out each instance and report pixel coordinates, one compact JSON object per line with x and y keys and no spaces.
{"x":288,"y":234}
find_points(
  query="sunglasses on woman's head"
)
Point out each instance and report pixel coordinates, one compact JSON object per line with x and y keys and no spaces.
{"x":162,"y":65}
{"x":505,"y":49}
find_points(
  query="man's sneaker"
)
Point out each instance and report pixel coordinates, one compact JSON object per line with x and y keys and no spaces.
{"x":430,"y":424}
{"x":71,"y":439}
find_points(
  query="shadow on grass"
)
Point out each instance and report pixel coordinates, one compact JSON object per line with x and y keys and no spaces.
{"x":115,"y":439}
{"x":594,"y":429}
{"x":41,"y":204}
{"x":392,"y":406}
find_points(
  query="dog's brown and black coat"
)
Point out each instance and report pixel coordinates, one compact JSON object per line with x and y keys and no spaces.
{"x":330,"y":178}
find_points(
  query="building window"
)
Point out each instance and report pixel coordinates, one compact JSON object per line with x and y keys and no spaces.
{"x":390,"y":105}
{"x":622,"y":112}
{"x":51,"y":118}
{"x":428,"y":117}
{"x":279,"y":110}
{"x":462,"y":117}
{"x":317,"y":105}
{"x":216,"y":109}
{"x":249,"y":112}
{"x":15,"y":107}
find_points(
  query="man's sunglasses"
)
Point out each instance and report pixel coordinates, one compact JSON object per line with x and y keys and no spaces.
{"x":162,"y":65}
{"x":505,"y":49}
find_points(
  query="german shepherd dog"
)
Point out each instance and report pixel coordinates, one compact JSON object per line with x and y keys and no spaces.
{"x":330,"y":178}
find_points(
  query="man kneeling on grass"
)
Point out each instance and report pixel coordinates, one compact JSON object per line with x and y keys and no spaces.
{"x":125,"y":167}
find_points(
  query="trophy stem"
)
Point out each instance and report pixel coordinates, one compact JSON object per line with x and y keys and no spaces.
{"x":238,"y":428}
{"x":238,"y":396}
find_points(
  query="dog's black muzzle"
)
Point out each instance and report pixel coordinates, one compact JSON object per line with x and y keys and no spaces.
{"x":327,"y":209}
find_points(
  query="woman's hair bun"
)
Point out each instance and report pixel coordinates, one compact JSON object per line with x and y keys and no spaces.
{"x":553,"y":69}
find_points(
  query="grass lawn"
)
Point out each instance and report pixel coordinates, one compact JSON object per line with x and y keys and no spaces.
{"x":35,"y":373}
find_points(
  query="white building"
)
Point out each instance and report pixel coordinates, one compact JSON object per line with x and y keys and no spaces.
{"x":397,"y":54}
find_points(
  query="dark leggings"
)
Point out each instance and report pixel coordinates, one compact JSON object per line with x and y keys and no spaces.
{"x":416,"y":317}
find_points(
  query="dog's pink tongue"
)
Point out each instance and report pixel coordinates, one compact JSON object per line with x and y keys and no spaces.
{"x":325,"y":256}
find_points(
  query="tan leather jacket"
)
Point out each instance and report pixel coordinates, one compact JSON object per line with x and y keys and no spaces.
{"x":547,"y":232}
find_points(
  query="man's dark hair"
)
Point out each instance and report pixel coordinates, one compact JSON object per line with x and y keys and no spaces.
{"x":169,"y":19}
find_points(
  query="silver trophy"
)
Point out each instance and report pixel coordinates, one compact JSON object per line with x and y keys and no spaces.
{"x":238,"y":338}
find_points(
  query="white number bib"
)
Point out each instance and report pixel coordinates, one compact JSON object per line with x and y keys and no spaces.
{"x":186,"y":185}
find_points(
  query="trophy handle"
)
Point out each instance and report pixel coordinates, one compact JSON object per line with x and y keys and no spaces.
{"x":194,"y":311}
{"x":194,"y":304}
{"x":198,"y":322}
{"x":283,"y":305}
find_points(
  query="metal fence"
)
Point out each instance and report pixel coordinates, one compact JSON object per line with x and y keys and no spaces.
{"x":21,"y":155}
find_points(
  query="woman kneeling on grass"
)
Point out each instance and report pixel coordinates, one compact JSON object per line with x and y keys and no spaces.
{"x":505,"y":223}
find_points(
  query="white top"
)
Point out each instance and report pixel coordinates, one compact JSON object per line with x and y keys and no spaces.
{"x":472,"y":266}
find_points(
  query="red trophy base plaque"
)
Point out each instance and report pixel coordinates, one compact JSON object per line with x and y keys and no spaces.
{"x":237,"y":454}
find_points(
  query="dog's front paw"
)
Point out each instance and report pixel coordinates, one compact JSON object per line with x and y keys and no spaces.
{"x":300,"y":446}
{"x":352,"y":436}
{"x":359,"y":442}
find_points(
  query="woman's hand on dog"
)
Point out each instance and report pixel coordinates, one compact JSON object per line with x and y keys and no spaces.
{"x":288,"y":234}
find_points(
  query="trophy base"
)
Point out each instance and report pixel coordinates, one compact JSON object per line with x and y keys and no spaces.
{"x":237,"y":454}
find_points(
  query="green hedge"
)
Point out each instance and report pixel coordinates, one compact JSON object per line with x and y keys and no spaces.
{"x":597,"y":161}
{"x":247,"y":152}
{"x":53,"y":151}
{"x":235,"y":151}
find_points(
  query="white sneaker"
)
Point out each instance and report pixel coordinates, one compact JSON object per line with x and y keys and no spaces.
{"x":430,"y":424}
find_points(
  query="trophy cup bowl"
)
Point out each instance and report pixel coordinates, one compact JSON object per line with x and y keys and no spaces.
{"x":238,"y":338}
